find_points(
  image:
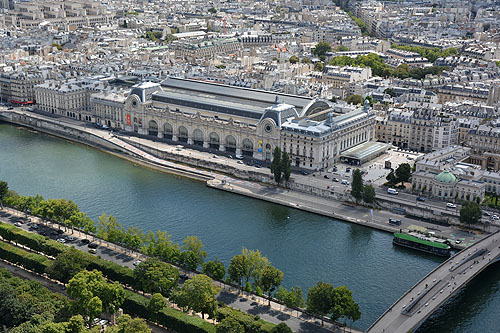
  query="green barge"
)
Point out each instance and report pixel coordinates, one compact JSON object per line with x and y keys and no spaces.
{"x":423,"y":243}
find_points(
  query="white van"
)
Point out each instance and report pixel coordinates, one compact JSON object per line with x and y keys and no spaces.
{"x":344,"y":182}
{"x":392,"y":191}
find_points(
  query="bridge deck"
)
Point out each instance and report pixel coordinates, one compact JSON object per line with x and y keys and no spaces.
{"x":411,"y":310}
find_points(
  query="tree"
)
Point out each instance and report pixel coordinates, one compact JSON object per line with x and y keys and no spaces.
{"x":286,"y":166}
{"x":193,"y":254}
{"x":368,"y":193}
{"x":125,"y":324}
{"x":93,"y":294}
{"x":470,"y":213}
{"x":230,"y":325}
{"x":237,"y":269}
{"x":319,"y":67}
{"x":4,"y":189}
{"x":370,"y":100}
{"x":403,"y":173}
{"x":343,"y":302}
{"x":357,"y":185}
{"x":390,"y":92}
{"x":281,"y":294}
{"x":198,"y":294}
{"x":270,"y":279}
{"x":155,"y":276}
{"x":293,"y":59}
{"x":276,"y":165}
{"x":391,"y":178}
{"x":281,"y":328}
{"x":354,"y":99}
{"x":162,"y":247}
{"x":321,"y":299}
{"x":212,"y":10}
{"x":306,"y":60}
{"x":156,"y":304}
{"x":402,"y":71}
{"x":295,"y":298}
{"x":321,"y":49}
{"x":76,"y":324}
{"x":215,"y":269}
{"x":68,"y":264}
{"x":109,"y":229}
{"x":94,"y":308}
{"x":342,"y":48}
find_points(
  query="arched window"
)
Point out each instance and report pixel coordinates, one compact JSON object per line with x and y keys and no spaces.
{"x":182,"y":134}
{"x":214,"y":140}
{"x":153,"y":128}
{"x":198,"y":137}
{"x":247,"y":147}
{"x":230,"y":144}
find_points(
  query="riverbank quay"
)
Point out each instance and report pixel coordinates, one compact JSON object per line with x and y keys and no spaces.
{"x":201,"y":166}
{"x":232,"y":296}
{"x":376,"y":219}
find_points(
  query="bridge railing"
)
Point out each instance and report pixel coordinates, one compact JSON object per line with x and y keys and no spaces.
{"x":425,"y":277}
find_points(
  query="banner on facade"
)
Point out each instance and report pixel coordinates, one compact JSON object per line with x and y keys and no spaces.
{"x":259,"y":146}
{"x":128,"y":119}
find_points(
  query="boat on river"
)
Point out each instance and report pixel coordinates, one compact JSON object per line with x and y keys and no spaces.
{"x":429,"y":244}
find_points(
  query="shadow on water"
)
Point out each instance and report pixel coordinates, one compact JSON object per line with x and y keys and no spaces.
{"x":278,"y":213}
{"x":454,"y":317}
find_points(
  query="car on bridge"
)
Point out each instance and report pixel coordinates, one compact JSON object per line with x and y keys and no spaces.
{"x":420,"y":199}
{"x":451,"y":205}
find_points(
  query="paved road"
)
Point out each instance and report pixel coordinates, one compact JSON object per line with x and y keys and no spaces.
{"x":438,"y":286}
{"x":298,"y":322}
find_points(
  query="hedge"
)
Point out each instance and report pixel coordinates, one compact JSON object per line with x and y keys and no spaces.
{"x":33,"y":241}
{"x":28,"y":260}
{"x":250,"y":323}
{"x":112,"y":270}
{"x":175,"y":320}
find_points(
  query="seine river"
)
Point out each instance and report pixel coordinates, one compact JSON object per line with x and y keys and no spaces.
{"x":306,"y":247}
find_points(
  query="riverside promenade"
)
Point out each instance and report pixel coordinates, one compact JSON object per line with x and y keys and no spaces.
{"x":273,"y":312}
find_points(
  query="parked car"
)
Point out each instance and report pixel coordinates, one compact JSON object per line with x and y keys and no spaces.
{"x":344,"y":182}
{"x":93,"y":245}
{"x":43,"y":233}
{"x":239,"y":157}
{"x":420,"y":199}
{"x":136,"y":263}
{"x":305,"y":173}
{"x":486,"y":214}
{"x":335,"y":169}
{"x":336,"y":180}
{"x":326,"y":177}
{"x":348,"y":169}
{"x":61,"y":240}
{"x":451,"y":205}
{"x":495,"y":217}
{"x":17,"y":224}
{"x":85,"y":241}
{"x":394,"y":221}
{"x":230,"y":156}
{"x":70,"y":238}
{"x":240,"y":162}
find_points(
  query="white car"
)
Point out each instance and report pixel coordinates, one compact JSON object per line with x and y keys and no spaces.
{"x":450,"y":205}
{"x":495,"y":217}
{"x":61,"y":240}
{"x":136,"y":263}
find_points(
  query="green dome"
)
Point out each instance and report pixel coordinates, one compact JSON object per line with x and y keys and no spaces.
{"x":446,"y":177}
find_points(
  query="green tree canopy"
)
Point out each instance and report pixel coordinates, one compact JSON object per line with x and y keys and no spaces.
{"x":306,"y":60}
{"x":403,"y":172}
{"x":286,"y":166}
{"x":319,"y":67}
{"x":193,"y":254}
{"x":215,"y":269}
{"x":321,"y":299}
{"x":198,"y":295}
{"x":281,"y":328}
{"x":354,"y":99}
{"x":156,"y":304}
{"x":68,"y":264}
{"x":270,"y":279}
{"x":368,"y":193}
{"x":342,"y":48}
{"x":470,"y":213}
{"x":391,"y":178}
{"x":125,"y":324}
{"x":321,"y":49}
{"x":230,"y":325}
{"x":357,"y":185}
{"x":293,"y":59}
{"x":155,"y":276}
{"x":276,"y":165}
{"x":4,"y":189}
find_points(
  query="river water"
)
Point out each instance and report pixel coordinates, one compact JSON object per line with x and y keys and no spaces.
{"x":305,"y":246}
